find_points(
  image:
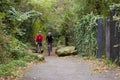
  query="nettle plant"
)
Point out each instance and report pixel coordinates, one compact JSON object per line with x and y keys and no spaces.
{"x":85,"y":35}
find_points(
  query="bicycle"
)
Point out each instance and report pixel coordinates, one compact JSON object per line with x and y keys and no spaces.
{"x":39,"y":48}
{"x":49,"y":48}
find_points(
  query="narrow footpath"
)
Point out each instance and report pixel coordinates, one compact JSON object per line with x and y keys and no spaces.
{"x":65,"y":68}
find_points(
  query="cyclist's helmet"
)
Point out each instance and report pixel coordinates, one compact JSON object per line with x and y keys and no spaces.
{"x":49,"y":33}
{"x":39,"y":31}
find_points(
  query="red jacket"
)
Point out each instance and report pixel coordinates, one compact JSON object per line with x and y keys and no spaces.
{"x":39,"y":38}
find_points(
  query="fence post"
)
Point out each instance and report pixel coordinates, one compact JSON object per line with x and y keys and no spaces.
{"x":107,"y":39}
{"x":110,"y":28}
{"x":99,"y":37}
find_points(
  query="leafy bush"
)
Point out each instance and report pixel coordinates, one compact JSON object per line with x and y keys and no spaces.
{"x":28,"y":58}
{"x":16,"y":55}
{"x":109,"y":62}
{"x":17,"y":49}
{"x":18,"y":63}
{"x":85,"y":35}
{"x":7,"y":69}
{"x":36,"y":56}
{"x":19,"y":60}
{"x":3,"y":48}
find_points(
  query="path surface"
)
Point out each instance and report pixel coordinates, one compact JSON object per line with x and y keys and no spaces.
{"x":68,"y":68}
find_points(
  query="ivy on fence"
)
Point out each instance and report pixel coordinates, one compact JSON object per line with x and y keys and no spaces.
{"x":85,"y":35}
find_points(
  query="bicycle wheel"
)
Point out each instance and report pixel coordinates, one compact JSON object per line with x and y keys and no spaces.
{"x":38,"y":49}
{"x":49,"y":50}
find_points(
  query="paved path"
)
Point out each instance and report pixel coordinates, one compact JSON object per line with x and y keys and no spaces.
{"x":68,"y":68}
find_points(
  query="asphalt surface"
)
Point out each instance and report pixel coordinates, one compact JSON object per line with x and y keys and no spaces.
{"x":67,"y":68}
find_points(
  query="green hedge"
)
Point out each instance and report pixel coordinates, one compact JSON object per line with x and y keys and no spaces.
{"x":85,"y":35}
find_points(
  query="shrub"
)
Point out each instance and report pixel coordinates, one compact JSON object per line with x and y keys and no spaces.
{"x":17,"y":49}
{"x":17,"y":55}
{"x":28,"y":58}
{"x":18,"y":63}
{"x":85,"y":35}
{"x":37,"y":56}
{"x":8,"y":68}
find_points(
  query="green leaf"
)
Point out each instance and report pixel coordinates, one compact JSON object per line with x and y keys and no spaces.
{"x":2,"y":15}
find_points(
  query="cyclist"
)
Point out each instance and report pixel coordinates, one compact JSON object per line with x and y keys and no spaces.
{"x":38,"y":41}
{"x":49,"y":40}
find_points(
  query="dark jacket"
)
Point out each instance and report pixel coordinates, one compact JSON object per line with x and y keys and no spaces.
{"x":49,"y":39}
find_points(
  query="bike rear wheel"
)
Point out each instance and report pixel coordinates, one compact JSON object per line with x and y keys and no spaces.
{"x":39,"y":49}
{"x":49,"y":49}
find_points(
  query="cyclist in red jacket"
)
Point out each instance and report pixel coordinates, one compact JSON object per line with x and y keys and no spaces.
{"x":38,"y":41}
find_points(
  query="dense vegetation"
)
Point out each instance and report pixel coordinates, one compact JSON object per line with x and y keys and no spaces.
{"x":72,"y":22}
{"x":15,"y":22}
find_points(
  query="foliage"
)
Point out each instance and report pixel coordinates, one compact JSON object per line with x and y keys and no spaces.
{"x":85,"y":35}
{"x":17,"y":55}
{"x":3,"y":39}
{"x":63,"y":20}
{"x":46,"y":7}
{"x":19,"y":63}
{"x":17,"y":49}
{"x":20,"y":20}
{"x":98,"y":7}
{"x":37,"y":57}
{"x":109,"y":62}
{"x":28,"y":58}
{"x":7,"y":69}
{"x":115,"y":7}
{"x":20,"y":16}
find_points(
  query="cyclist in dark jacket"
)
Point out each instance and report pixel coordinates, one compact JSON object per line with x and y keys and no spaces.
{"x":49,"y":40}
